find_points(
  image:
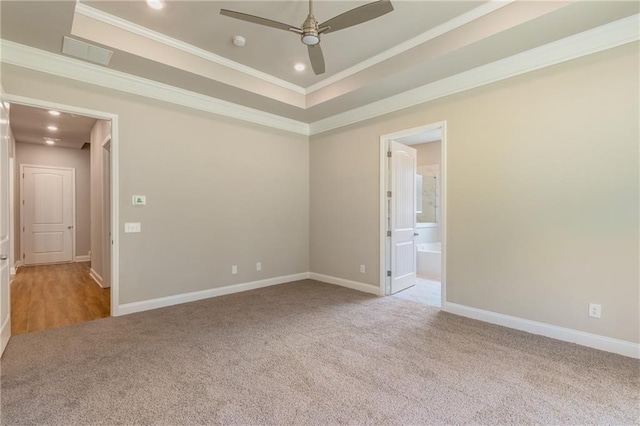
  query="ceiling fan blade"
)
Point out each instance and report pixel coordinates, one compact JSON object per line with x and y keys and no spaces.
{"x":357,"y":16}
{"x":259,"y":20}
{"x":316,"y":58}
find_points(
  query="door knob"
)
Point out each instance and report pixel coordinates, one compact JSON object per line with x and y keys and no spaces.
{"x":3,"y":257}
{"x":415,"y":234}
{"x":69,"y":227}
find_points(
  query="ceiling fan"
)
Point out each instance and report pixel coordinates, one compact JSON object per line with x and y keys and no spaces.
{"x":311,"y":30}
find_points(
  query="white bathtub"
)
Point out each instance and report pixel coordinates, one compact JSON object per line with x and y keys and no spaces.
{"x":429,"y":260}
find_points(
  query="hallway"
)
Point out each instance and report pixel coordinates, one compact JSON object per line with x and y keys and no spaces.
{"x":51,"y":296}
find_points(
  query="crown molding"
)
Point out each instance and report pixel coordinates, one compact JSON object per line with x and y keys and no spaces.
{"x":457,"y":22}
{"x":62,"y":66}
{"x":598,"y":39}
{"x":476,"y":13}
{"x":586,"y":43}
{"x":123,"y":24}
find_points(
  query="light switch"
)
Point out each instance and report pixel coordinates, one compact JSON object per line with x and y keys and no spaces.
{"x":139,"y":200}
{"x":130,"y":227}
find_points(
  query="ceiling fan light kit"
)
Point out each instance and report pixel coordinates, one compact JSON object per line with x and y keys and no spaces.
{"x":311,"y":30}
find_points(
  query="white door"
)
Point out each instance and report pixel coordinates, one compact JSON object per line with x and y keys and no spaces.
{"x":48,"y":214}
{"x":5,"y":303}
{"x":402,"y":215}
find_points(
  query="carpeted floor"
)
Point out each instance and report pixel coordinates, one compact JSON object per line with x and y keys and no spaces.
{"x":309,"y":353}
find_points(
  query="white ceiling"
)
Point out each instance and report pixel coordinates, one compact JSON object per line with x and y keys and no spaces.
{"x":188,"y":44}
{"x":29,"y":125}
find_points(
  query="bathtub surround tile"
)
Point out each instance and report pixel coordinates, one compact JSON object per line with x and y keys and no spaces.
{"x":430,"y":193}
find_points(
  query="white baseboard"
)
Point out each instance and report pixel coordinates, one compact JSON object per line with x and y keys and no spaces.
{"x":355,"y":285}
{"x":596,"y":341}
{"x":161,"y":302}
{"x":96,"y":277}
{"x":13,"y":270}
{"x":5,"y":334}
{"x":86,"y":258}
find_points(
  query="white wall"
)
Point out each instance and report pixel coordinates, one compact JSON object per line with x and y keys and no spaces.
{"x":44,"y":155}
{"x":543,"y":194}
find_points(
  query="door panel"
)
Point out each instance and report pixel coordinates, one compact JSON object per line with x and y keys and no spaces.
{"x":48,"y":197}
{"x":5,"y":305}
{"x":402,"y":216}
{"x":48,"y":214}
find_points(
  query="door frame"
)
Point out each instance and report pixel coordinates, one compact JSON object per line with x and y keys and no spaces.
{"x":384,"y":180}
{"x":105,"y":146}
{"x":115,"y":219}
{"x":73,"y":211}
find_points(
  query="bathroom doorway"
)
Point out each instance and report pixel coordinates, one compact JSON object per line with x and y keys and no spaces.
{"x":425,"y":270}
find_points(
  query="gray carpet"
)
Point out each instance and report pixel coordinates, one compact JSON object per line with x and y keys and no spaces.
{"x":309,"y":353}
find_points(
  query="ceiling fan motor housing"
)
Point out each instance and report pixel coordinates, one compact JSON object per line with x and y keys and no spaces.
{"x":311,"y":30}
{"x":310,"y":35}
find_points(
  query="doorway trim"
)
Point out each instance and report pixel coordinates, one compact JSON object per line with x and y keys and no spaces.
{"x":115,"y":220}
{"x":384,"y":179}
{"x":106,"y":200}
{"x":22,"y":212}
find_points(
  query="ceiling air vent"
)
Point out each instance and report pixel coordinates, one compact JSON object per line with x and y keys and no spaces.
{"x":86,"y":51}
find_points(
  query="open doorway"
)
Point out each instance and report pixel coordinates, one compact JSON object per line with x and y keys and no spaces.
{"x":412,"y":223}
{"x":59,"y":209}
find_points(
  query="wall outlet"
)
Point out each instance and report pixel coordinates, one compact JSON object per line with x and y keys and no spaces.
{"x":130,"y":227}
{"x":234,"y":269}
{"x":362,"y":269}
{"x":595,"y":310}
{"x":259,"y":266}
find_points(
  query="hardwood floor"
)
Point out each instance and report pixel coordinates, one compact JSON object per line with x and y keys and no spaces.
{"x":51,"y":296}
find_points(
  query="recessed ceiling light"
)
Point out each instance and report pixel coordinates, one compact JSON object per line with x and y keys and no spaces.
{"x":49,"y":142}
{"x":52,"y":128}
{"x":56,"y":113}
{"x":156,"y":4}
{"x":300,"y":67}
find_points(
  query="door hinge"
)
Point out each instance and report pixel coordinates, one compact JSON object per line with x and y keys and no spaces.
{"x":388,"y":233}
{"x":388,"y":273}
{"x":23,"y":176}
{"x":23,"y":229}
{"x":23,"y":255}
{"x":389,"y":154}
{"x":389,"y":194}
{"x":23,"y":202}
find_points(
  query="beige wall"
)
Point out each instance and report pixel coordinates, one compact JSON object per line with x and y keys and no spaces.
{"x":43,"y":155}
{"x":543,"y":194}
{"x":428,"y":153}
{"x":99,"y":134}
{"x":220,"y":192}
